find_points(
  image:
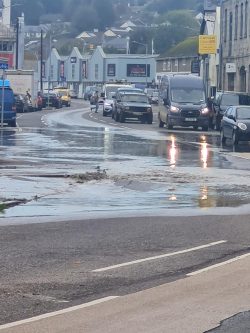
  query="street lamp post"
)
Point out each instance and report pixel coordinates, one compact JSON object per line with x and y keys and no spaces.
{"x":146,"y":50}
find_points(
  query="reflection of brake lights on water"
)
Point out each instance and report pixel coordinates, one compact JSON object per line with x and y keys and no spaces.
{"x":204,"y":154}
{"x":173,"y":152}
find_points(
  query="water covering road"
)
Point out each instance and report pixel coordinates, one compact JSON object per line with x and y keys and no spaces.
{"x":147,"y":170}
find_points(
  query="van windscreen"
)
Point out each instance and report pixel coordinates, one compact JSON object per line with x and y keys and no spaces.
{"x":188,"y":95}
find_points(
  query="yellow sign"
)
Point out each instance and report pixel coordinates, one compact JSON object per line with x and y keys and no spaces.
{"x":207,"y":44}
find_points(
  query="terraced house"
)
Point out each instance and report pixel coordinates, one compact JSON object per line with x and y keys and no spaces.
{"x":235,"y":45}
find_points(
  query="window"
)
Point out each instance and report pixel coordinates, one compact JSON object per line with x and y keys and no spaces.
{"x":73,"y":71}
{"x":96,"y":71}
{"x":246,"y":19}
{"x":231,"y":81}
{"x":225,"y":26}
{"x":241,"y":20}
{"x":231,"y":27}
{"x":51,"y":72}
{"x":236,"y":22}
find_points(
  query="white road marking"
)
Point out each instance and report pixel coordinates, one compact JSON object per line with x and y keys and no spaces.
{"x":57,"y":313}
{"x":219,"y":265}
{"x":159,"y":257}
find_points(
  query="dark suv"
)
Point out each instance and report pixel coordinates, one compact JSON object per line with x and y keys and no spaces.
{"x":225,"y":99}
{"x":51,"y":99}
{"x":133,"y":105}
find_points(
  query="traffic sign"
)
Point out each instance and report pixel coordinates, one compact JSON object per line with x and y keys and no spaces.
{"x":3,"y":65}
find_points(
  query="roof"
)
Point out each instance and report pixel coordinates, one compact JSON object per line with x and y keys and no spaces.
{"x":128,"y":24}
{"x":37,"y":28}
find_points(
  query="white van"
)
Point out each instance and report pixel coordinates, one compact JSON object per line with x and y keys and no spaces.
{"x":108,"y":94}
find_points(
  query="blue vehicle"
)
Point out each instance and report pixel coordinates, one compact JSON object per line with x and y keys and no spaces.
{"x":9,"y":111}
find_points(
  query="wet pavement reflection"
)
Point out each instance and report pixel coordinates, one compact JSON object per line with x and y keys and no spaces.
{"x":179,"y":171}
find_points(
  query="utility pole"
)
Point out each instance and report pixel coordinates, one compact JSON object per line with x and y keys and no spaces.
{"x":41,"y":63}
{"x":17,"y":42}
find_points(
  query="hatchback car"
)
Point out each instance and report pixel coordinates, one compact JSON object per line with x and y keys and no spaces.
{"x":225,"y":99}
{"x":235,"y":124}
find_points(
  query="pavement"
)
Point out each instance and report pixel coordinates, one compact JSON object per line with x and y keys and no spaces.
{"x":195,"y":304}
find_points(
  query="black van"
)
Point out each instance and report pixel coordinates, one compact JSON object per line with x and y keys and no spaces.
{"x":182,"y":102}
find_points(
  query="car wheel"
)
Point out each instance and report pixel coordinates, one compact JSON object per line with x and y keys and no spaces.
{"x":122,"y":118}
{"x":116,"y":116}
{"x":235,"y":139}
{"x":150,"y":119}
{"x":222,"y":137}
{"x":12,"y":123}
{"x":168,"y":125}
{"x":205,"y":128}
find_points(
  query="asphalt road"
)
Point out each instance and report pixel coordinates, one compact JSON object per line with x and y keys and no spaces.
{"x":47,"y":267}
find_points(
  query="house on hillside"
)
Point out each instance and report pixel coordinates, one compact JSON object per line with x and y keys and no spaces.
{"x":32,"y":32}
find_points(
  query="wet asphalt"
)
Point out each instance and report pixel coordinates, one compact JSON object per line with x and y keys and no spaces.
{"x":181,"y":188}
{"x":148,"y":169}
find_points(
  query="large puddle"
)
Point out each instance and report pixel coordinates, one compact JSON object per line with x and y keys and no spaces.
{"x":168,"y":171}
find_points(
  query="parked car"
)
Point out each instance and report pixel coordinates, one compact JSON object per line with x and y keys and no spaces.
{"x":19,"y":102}
{"x":89,"y":92}
{"x":23,"y":103}
{"x":73,"y":94}
{"x":108,"y":104}
{"x":223,"y":100}
{"x":64,"y":95}
{"x":153,"y":95}
{"x":52,"y":99}
{"x":154,"y":98}
{"x":133,"y":105}
{"x":235,"y":124}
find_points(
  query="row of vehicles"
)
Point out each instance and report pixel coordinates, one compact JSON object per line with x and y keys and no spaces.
{"x":16,"y":103}
{"x":123,"y":101}
{"x":57,"y":98}
{"x":181,"y":102}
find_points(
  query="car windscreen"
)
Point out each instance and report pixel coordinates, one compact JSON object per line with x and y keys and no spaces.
{"x":63,"y":93}
{"x":113,"y":89}
{"x":243,"y":113}
{"x":134,"y":98}
{"x":229,"y":99}
{"x":111,"y":95}
{"x":188,"y":95}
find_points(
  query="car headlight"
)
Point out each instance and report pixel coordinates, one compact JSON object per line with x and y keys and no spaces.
{"x":127,"y":108}
{"x":242,"y":126}
{"x":149,"y":110}
{"x":174,"y":109}
{"x":204,"y":110}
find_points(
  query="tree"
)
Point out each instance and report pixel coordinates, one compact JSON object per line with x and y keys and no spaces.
{"x":85,"y":18}
{"x":105,"y":13}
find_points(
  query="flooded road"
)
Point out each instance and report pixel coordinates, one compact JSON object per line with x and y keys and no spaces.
{"x":147,"y":170}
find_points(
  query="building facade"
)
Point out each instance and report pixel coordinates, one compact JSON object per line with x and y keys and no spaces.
{"x":78,"y":71}
{"x":235,"y":45}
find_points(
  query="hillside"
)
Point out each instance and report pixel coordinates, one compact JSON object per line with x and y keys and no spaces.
{"x":94,"y":13}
